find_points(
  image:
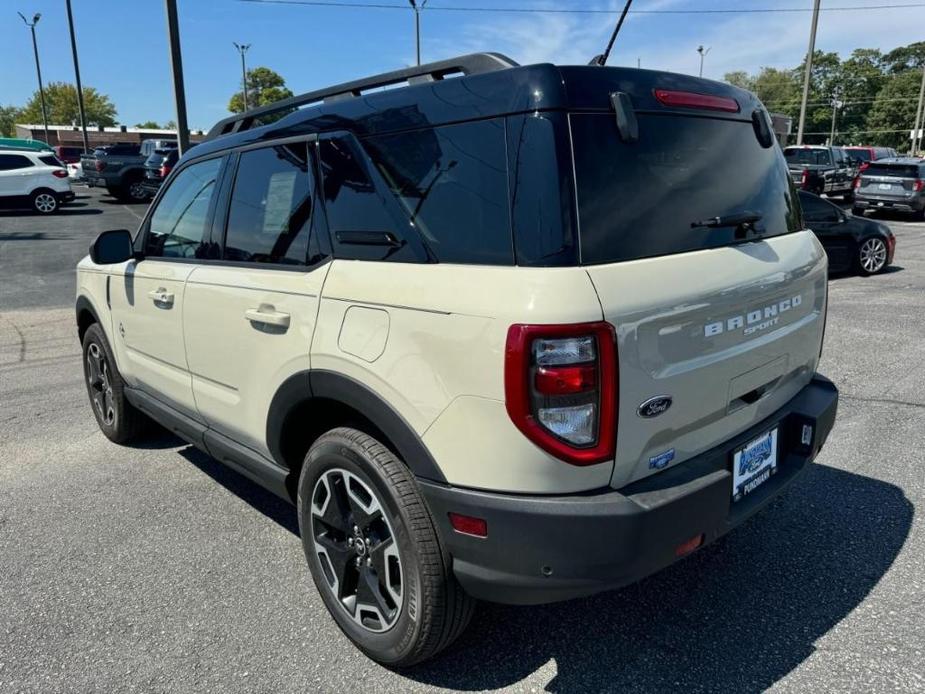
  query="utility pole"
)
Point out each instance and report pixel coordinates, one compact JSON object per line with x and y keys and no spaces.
{"x":808,"y":72}
{"x":703,"y":53}
{"x":417,"y":24}
{"x":38,"y":69}
{"x":919,"y":118}
{"x":176,"y":65}
{"x":836,"y":104}
{"x":80,"y":92}
{"x":242,"y":49}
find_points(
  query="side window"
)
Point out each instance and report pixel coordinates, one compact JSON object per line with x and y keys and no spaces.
{"x":9,"y":162}
{"x":452,"y":185}
{"x":363,"y":222}
{"x":177,"y":227}
{"x":50,"y":160}
{"x":269,"y":219}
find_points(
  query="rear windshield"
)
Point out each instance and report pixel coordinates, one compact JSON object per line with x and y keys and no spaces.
{"x":862,"y":154}
{"x":639,"y":200}
{"x":898,"y":170}
{"x":809,"y":157}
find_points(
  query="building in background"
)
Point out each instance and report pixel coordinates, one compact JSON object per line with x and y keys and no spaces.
{"x":69,"y":135}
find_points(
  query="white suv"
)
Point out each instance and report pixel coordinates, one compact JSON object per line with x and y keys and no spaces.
{"x":33,"y":179}
{"x":522,"y":335}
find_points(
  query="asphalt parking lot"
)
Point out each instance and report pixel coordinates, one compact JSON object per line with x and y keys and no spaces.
{"x":156,"y":569}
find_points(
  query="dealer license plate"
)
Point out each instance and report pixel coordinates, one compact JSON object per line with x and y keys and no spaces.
{"x":753,"y":464}
{"x":886,"y":186}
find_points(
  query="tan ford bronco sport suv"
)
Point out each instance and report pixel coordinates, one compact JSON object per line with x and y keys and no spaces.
{"x":507,"y":333}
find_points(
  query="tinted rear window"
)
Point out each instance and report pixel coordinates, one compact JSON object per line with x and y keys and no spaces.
{"x":899,"y":170}
{"x":638,"y":200}
{"x":50,"y":160}
{"x":862,"y":154}
{"x":809,"y":157}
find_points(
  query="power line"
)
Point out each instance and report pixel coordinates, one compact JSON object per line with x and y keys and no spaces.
{"x":845,"y":102}
{"x":542,"y":10}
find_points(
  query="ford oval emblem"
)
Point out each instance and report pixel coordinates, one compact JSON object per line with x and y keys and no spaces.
{"x":653,"y":407}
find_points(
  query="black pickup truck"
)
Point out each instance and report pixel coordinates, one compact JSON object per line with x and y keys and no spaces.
{"x":120,"y":169}
{"x":820,"y":169}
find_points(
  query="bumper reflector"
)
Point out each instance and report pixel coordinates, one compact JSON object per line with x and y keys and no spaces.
{"x":468,"y":525}
{"x":688,"y":546}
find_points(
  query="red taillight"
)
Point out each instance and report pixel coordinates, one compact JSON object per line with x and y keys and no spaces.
{"x":468,"y":525}
{"x":864,"y":165}
{"x":804,"y":179}
{"x":695,"y":100}
{"x":100,"y":165}
{"x":688,"y":546}
{"x":59,"y":173}
{"x":918,"y":184}
{"x":560,"y":386}
{"x":165,"y":170}
{"x":857,"y":182}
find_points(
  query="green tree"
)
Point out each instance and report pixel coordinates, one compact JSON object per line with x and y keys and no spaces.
{"x":779,"y":90}
{"x":905,"y":58}
{"x":894,"y":110}
{"x":61,"y":103}
{"x":148,"y":124}
{"x":8,"y":117}
{"x":740,"y":78}
{"x":862,"y":78}
{"x":264,"y":86}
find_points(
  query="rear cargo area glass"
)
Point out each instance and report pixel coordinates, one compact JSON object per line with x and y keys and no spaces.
{"x":898,"y":170}
{"x":638,"y":200}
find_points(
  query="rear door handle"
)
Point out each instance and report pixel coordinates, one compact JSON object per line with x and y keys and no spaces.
{"x":267,"y":315}
{"x":161,"y":297}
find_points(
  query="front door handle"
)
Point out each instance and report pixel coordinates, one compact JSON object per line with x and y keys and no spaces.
{"x":267,"y":315}
{"x":161,"y":297}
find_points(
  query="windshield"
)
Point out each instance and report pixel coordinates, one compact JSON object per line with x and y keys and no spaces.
{"x":639,"y":200}
{"x":808,"y":157}
{"x":898,"y":170}
{"x":862,"y":154}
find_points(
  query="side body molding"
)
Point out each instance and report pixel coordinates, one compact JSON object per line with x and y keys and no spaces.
{"x":328,"y":385}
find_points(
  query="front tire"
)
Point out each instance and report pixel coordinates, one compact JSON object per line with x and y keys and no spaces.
{"x":119,"y":421}
{"x":872,"y":255}
{"x":374,"y":553}
{"x":44,"y":202}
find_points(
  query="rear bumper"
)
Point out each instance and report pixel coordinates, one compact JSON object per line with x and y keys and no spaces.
{"x":545,"y":549}
{"x":911,"y":204}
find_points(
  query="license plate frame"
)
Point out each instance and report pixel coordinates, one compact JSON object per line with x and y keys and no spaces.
{"x":754,"y":463}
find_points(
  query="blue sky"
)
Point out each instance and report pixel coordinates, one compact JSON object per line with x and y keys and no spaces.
{"x":123,"y":49}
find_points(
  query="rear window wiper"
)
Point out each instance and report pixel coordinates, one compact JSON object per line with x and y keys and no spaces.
{"x":738,"y":220}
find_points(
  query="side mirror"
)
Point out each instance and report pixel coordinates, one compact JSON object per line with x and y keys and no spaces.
{"x":112,"y":247}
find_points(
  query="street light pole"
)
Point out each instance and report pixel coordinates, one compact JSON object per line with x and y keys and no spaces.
{"x":242,"y":49}
{"x":808,"y":72}
{"x":919,"y":117}
{"x":835,"y":106}
{"x":703,"y":52}
{"x":80,"y":93}
{"x":38,"y":69}
{"x":176,"y":65}
{"x":417,"y":24}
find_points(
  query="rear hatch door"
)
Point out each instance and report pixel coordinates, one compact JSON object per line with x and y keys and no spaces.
{"x":889,"y":181}
{"x":724,"y":321}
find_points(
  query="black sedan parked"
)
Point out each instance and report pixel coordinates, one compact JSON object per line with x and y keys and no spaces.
{"x":852,"y":243}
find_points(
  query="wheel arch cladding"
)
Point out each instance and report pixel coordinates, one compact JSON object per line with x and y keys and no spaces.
{"x":86,"y":316}
{"x":310,"y":403}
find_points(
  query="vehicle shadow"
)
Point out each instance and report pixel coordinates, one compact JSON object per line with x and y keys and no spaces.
{"x":64,"y":211}
{"x":847,"y":273}
{"x":736,"y":616}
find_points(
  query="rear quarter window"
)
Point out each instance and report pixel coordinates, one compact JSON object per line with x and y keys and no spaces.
{"x":639,"y":200}
{"x":451,"y":182}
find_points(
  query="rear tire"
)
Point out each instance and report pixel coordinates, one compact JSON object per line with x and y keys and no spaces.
{"x":119,"y":421}
{"x":391,"y":566}
{"x":133,"y":191}
{"x":44,"y":201}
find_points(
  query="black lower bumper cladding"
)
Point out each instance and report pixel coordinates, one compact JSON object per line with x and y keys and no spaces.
{"x":544,"y":549}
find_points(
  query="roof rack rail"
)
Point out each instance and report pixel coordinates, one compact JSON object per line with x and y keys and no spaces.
{"x":471,"y":64}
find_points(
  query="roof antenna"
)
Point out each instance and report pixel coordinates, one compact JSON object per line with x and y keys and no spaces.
{"x":602,"y":58}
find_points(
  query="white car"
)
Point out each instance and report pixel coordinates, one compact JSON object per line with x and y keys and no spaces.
{"x":37,"y":180}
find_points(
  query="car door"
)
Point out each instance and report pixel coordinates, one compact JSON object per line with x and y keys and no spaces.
{"x":16,"y":172}
{"x":147,"y":294}
{"x":828,"y":223}
{"x":250,"y":317}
